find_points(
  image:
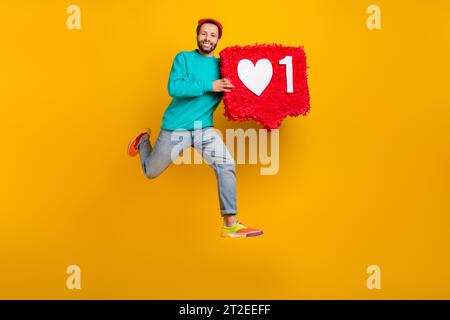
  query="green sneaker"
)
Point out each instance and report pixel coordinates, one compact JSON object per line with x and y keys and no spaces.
{"x":239,"y":230}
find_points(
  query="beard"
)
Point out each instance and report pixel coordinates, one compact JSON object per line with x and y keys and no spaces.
{"x":206,"y":50}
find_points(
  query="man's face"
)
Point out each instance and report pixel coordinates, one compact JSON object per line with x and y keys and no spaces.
{"x":208,"y":37}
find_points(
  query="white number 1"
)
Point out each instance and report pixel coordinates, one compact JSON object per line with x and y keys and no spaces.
{"x":289,"y":76}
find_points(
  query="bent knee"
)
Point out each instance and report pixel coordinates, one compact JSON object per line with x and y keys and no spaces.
{"x":151,"y":174}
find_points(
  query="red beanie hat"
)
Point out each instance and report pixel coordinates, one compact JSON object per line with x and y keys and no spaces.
{"x":210,"y":20}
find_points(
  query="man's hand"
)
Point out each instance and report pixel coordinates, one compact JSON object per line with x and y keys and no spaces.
{"x":222,"y":85}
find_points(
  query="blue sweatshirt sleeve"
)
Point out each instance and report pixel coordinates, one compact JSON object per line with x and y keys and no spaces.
{"x":181,"y":85}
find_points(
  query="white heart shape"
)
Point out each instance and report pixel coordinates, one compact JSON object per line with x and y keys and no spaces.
{"x":255,"y":77}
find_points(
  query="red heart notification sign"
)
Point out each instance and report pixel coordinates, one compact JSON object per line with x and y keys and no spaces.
{"x":270,"y":83}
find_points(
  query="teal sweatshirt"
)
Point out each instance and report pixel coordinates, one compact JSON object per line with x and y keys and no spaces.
{"x":190,"y":86}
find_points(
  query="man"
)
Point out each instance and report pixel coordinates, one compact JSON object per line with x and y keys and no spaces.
{"x":196,"y":89}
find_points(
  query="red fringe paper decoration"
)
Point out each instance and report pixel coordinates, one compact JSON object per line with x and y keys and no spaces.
{"x":275,"y":103}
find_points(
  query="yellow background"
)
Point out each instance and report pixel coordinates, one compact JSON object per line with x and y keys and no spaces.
{"x":363,"y":179}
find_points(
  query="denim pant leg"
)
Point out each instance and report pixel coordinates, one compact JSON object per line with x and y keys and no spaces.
{"x":167,"y":147}
{"x":210,"y":145}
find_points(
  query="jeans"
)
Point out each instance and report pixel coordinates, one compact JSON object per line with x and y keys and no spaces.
{"x":170,"y":144}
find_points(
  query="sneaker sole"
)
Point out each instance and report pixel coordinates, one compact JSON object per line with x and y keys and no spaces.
{"x":242,"y":235}
{"x":132,"y":142}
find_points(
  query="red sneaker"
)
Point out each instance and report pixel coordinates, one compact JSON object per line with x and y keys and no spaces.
{"x":133,"y":145}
